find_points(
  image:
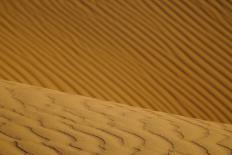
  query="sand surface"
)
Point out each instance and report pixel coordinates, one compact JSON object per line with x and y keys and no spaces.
{"x":173,"y":56}
{"x":155,"y":77}
{"x":39,"y":121}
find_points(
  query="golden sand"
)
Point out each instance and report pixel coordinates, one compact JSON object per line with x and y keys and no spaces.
{"x":155,"y":77}
{"x":41,"y":121}
{"x":173,"y":56}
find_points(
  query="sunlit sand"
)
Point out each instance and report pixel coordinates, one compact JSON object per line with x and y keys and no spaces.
{"x":156,"y":76}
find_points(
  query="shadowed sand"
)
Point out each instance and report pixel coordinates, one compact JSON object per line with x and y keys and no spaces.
{"x":173,"y":56}
{"x":41,"y":121}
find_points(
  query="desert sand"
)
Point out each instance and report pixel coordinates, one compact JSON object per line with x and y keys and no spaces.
{"x":173,"y":56}
{"x":42,"y":121}
{"x":116,"y":77}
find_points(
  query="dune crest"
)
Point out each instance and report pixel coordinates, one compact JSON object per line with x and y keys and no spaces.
{"x":36,"y":121}
{"x":173,"y":56}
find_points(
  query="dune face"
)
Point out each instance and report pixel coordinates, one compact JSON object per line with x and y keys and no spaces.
{"x":172,"y":56}
{"x":163,"y":67}
{"x":42,"y":121}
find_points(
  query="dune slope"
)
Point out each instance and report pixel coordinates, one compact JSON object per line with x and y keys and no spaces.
{"x":36,"y":121}
{"x":172,"y":56}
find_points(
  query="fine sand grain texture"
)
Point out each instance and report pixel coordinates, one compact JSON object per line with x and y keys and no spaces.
{"x":173,"y":56}
{"x":39,"y":121}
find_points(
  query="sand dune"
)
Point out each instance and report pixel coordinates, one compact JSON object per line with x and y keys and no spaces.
{"x":171,"y":56}
{"x":35,"y":121}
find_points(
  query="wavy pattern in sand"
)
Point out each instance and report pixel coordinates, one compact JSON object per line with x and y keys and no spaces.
{"x":172,"y":56}
{"x":42,"y":121}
